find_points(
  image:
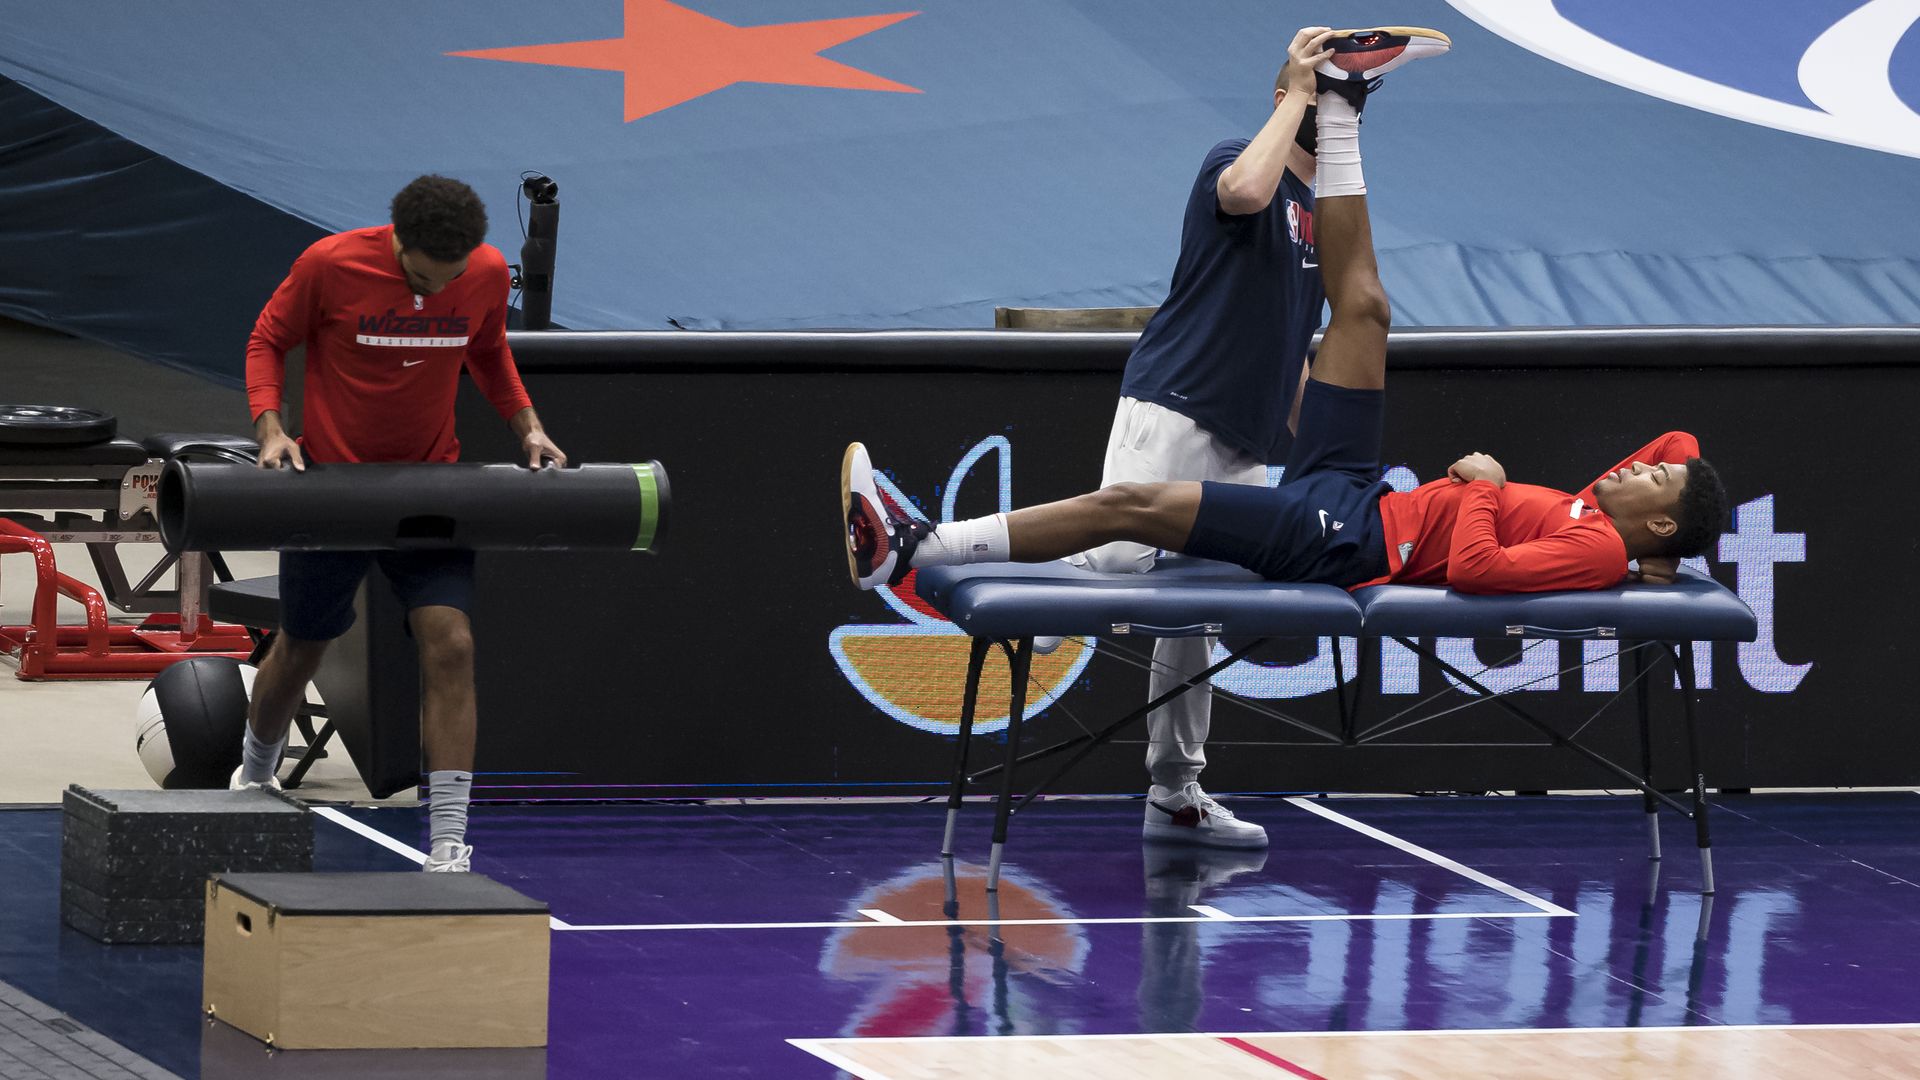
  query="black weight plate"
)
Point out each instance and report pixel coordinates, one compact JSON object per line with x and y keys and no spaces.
{"x":55,"y":425}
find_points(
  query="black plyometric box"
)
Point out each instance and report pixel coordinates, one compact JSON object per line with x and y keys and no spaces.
{"x":134,"y":864}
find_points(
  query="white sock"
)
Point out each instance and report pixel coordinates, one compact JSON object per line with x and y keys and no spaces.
{"x":259,"y":760}
{"x":448,"y":792}
{"x":1338,"y":159}
{"x":957,"y":543}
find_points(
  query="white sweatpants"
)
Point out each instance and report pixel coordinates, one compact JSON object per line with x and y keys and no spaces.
{"x":1152,"y":443}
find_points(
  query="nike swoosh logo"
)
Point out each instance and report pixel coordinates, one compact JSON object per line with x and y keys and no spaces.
{"x":1323,"y":521}
{"x":410,"y":363}
{"x":1176,"y":811}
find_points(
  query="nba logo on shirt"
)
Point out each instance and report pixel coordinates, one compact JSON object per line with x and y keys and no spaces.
{"x":1300,"y":231}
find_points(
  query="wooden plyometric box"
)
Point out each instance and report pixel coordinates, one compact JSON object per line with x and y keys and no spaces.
{"x":379,"y":960}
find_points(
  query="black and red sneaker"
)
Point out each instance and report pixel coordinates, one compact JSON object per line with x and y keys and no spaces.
{"x":880,"y":535}
{"x":1360,"y":57}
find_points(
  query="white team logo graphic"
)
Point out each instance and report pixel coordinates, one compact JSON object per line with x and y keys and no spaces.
{"x":1842,"y":87}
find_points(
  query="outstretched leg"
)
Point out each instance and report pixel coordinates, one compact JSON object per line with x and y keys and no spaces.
{"x":1158,"y":515}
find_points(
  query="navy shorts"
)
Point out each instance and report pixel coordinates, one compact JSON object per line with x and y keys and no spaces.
{"x":1322,"y":523}
{"x":317,"y":587}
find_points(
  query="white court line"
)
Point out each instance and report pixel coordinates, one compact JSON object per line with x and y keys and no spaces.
{"x":809,"y":1044}
{"x":874,"y":917}
{"x":395,"y":846}
{"x":371,"y":833}
{"x":1437,"y":859}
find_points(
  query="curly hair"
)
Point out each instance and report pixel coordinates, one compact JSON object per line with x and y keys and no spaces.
{"x":1701,"y":512}
{"x":439,"y":217}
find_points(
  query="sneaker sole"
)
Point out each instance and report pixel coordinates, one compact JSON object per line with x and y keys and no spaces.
{"x":1396,"y":31}
{"x":1177,"y":834}
{"x":846,"y":509}
{"x":234,"y":783}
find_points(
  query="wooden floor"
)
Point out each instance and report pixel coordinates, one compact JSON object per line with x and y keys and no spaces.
{"x":1749,"y":1053}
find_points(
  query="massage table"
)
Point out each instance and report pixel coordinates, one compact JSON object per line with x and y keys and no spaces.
{"x":1009,"y":604}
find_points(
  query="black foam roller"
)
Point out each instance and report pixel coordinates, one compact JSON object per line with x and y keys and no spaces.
{"x":207,"y":506}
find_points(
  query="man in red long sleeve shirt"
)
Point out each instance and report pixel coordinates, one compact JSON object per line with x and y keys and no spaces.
{"x":1331,"y":519}
{"x":390,"y":316}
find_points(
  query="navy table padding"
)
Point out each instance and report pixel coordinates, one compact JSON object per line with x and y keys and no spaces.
{"x":1014,"y":600}
{"x":1694,"y":608}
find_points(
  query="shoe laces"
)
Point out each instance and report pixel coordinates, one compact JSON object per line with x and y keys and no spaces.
{"x":1207,"y":803}
{"x":899,"y":518}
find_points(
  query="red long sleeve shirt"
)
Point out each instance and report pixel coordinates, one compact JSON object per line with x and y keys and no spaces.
{"x":1482,"y":538}
{"x":383,"y":364}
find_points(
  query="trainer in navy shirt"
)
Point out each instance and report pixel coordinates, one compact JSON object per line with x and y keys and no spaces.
{"x":1225,"y":348}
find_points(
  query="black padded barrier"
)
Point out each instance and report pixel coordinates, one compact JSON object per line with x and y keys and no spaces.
{"x":742,"y":662}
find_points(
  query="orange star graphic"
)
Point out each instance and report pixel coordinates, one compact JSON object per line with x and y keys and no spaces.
{"x":671,"y":54}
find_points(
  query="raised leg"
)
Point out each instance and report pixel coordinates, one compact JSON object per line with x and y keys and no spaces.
{"x":1353,"y":351}
{"x":1019,"y":659}
{"x":975,"y":661}
{"x":280,"y":686}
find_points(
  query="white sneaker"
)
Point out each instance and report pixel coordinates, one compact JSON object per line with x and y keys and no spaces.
{"x":880,"y":536}
{"x":1360,"y":57}
{"x":234,"y":783}
{"x":1190,"y":816}
{"x":1046,"y":643}
{"x":449,"y":859}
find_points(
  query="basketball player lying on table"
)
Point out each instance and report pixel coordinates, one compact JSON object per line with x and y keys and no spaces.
{"x":1331,"y":519}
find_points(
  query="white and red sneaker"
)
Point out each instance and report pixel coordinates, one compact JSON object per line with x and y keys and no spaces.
{"x":1188,"y":815}
{"x":1362,"y":56}
{"x":880,"y":535}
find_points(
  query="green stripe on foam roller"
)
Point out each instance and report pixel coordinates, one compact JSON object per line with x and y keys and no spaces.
{"x":649,"y":506}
